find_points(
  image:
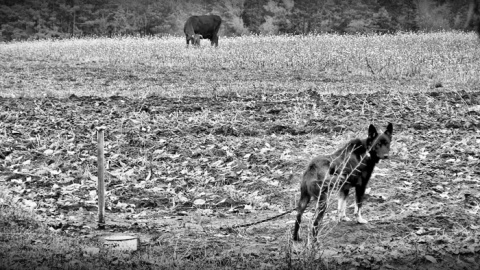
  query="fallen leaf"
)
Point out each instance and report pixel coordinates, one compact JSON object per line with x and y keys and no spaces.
{"x":430,"y":259}
{"x":199,"y":202}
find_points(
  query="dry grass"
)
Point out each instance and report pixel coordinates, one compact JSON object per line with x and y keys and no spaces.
{"x":164,"y":66}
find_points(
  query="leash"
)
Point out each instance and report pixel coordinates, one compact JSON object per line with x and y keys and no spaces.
{"x":257,"y":222}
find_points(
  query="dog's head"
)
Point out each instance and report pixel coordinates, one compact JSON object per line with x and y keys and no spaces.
{"x":379,"y":144}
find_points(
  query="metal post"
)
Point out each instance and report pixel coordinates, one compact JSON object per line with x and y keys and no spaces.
{"x":101,"y":181}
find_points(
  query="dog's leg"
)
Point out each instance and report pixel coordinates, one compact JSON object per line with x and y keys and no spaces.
{"x":342,"y":205}
{"x":322,"y":206}
{"x":302,"y":205}
{"x":360,"y":219}
{"x":359,"y":192}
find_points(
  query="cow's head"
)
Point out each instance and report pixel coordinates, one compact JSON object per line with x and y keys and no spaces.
{"x":196,"y":39}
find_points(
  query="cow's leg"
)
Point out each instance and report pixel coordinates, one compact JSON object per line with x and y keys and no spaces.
{"x":215,"y":40}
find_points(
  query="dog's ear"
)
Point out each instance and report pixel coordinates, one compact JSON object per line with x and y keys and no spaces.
{"x":372,"y":132}
{"x":389,"y":130}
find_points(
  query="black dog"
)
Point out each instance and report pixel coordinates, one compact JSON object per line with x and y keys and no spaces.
{"x":350,"y":166}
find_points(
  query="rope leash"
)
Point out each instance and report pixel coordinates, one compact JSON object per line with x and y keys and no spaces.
{"x":258,"y":222}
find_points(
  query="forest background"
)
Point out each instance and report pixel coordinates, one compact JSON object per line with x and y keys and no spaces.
{"x":32,"y":19}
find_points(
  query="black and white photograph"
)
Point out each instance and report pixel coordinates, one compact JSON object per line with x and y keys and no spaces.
{"x":240,"y":134}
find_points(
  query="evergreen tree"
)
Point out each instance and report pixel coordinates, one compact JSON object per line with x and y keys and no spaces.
{"x":253,"y":14}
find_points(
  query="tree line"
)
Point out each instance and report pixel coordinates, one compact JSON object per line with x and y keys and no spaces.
{"x":32,"y":19}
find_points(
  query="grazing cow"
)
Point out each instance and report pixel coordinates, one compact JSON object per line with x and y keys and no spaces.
{"x":473,"y":16}
{"x":205,"y":26}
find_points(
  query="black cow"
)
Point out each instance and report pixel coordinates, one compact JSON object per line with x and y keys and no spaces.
{"x":205,"y":26}
{"x":474,"y":16}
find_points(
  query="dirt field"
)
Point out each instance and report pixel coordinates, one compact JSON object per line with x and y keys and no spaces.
{"x":181,"y":169}
{"x":160,"y":166}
